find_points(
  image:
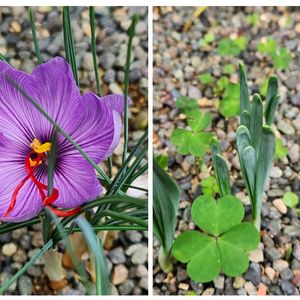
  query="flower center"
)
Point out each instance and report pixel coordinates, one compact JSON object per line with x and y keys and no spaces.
{"x":33,"y":160}
{"x":39,"y":152}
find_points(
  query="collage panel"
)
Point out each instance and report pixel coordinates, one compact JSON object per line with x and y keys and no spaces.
{"x":226,"y":128}
{"x":73,"y":150}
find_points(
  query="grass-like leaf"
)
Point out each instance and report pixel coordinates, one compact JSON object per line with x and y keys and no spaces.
{"x":271,"y":109}
{"x":35,"y":39}
{"x":256,"y":121}
{"x":244,"y":91}
{"x":95,"y":245}
{"x":264,"y":162}
{"x":131,"y":33}
{"x":166,"y":196}
{"x":69,"y":43}
{"x":220,"y":168}
{"x":94,"y":50}
{"x":3,"y":58}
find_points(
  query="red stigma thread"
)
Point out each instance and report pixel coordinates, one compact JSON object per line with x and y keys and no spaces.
{"x":47,"y":200}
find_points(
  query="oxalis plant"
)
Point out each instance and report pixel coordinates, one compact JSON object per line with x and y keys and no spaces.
{"x":52,"y":141}
{"x":256,"y":140}
{"x":223,"y":241}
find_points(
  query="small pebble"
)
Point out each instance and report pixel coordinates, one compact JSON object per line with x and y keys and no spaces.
{"x":9,"y":249}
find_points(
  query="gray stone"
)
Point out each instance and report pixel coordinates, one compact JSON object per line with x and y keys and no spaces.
{"x":139,"y":257}
{"x":25,"y":285}
{"x":219,"y":282}
{"x":287,"y":287}
{"x":296,"y":251}
{"x":273,"y":253}
{"x":110,"y":76}
{"x":107,"y":60}
{"x":292,"y":231}
{"x":197,"y":287}
{"x":286,"y":274}
{"x":126,"y":287}
{"x":252,"y":275}
{"x":117,"y":256}
{"x":134,"y":236}
{"x":194,"y":92}
{"x":143,"y":283}
{"x":294,"y":153}
{"x":286,"y":128}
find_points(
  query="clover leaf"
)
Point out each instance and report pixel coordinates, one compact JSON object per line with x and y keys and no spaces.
{"x":194,"y":141}
{"x":209,"y":186}
{"x":280,"y":150}
{"x":290,"y":199}
{"x":232,"y":47}
{"x":282,"y":59}
{"x":222,"y":245}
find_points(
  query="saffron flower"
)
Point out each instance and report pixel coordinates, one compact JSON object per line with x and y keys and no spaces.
{"x":25,"y":140}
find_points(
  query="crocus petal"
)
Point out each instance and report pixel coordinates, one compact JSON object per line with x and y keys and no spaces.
{"x":76,"y":182}
{"x":100,"y":128}
{"x":52,"y":85}
{"x":12,"y":172}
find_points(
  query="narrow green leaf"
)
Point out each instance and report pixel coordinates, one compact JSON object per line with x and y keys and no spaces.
{"x":95,"y":245}
{"x":220,"y":167}
{"x":93,"y":48}
{"x":131,"y":33}
{"x":272,"y":89}
{"x":249,"y":161}
{"x":244,"y":91}
{"x":166,"y":196}
{"x":245,"y":119}
{"x":256,"y":121}
{"x":35,"y":39}
{"x":264,"y":163}
{"x":223,"y":176}
{"x":271,"y":109}
{"x":3,"y":58}
{"x":69,"y":43}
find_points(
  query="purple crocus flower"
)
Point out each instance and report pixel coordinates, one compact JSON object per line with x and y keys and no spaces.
{"x":25,"y":134}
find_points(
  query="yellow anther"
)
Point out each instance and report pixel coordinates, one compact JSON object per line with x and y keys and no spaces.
{"x":40,"y":148}
{"x":33,"y":162}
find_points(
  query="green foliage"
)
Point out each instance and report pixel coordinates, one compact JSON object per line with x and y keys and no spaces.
{"x":162,"y":161}
{"x":220,"y":168}
{"x":194,"y":141}
{"x":255,"y":142}
{"x":229,"y":69}
{"x":229,"y":105}
{"x":206,"y":78}
{"x":280,"y":150}
{"x":186,"y":104}
{"x":69,"y":42}
{"x":232,"y":47}
{"x":281,"y":57}
{"x":290,"y":199}
{"x":253,"y":19}
{"x":223,"y":243}
{"x":207,"y":39}
{"x":166,"y":196}
{"x":209,"y":186}
{"x":35,"y":40}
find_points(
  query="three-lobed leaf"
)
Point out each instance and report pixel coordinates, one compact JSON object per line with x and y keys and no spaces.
{"x":290,"y":199}
{"x":224,"y":248}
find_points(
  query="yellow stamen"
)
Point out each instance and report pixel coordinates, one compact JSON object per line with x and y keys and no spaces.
{"x":40,"y":148}
{"x":33,"y":162}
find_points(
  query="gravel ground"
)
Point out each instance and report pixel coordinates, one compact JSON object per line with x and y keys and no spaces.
{"x":127,"y":253}
{"x":275,"y":266}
